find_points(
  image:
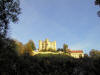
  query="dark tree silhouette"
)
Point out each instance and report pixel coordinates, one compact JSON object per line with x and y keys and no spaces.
{"x":94,"y":53}
{"x":9,"y":11}
{"x":97,"y":2}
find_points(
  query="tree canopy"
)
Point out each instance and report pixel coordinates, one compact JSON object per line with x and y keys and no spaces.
{"x":32,"y":44}
{"x":9,"y":11}
{"x":65,"y":47}
{"x":30,"y":47}
{"x":94,"y":53}
{"x":97,"y":2}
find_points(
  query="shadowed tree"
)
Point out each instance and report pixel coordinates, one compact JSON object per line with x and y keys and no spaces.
{"x":19,"y":48}
{"x":9,"y":11}
{"x":60,"y":49}
{"x":94,"y":53}
{"x":97,"y":2}
{"x":86,"y":55}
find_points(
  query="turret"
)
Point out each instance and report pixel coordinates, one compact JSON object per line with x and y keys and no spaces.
{"x":40,"y":45}
{"x":46,"y":45}
{"x":54,"y":45}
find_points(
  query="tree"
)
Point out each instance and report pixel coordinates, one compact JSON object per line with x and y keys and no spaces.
{"x":32,"y":44}
{"x":8,"y":56}
{"x":29,"y":47}
{"x":97,"y":2}
{"x":94,"y":53}
{"x":19,"y":47}
{"x":65,"y":47}
{"x":86,"y":55}
{"x":60,"y":49}
{"x":9,"y":11}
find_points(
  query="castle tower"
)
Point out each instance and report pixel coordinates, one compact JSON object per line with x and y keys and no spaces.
{"x":54,"y":45}
{"x":40,"y":45}
{"x":46,"y":45}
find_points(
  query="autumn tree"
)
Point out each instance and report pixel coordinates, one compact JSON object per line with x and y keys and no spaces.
{"x":29,"y":47}
{"x":19,"y":47}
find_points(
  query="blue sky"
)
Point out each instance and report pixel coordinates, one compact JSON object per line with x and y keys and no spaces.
{"x":74,"y":22}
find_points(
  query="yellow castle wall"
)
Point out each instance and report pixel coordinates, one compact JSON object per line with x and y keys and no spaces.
{"x":77,"y":55}
{"x":46,"y":45}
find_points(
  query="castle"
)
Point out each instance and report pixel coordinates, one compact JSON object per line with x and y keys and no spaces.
{"x":51,"y":46}
{"x":46,"y":45}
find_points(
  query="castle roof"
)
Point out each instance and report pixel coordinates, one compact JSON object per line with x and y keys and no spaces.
{"x":76,"y":51}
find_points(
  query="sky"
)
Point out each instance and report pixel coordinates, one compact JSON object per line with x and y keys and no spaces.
{"x":74,"y":22}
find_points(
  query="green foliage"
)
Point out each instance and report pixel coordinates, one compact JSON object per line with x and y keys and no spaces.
{"x":9,"y":11}
{"x":46,"y":64}
{"x":32,"y":44}
{"x":65,"y":48}
{"x":52,"y":55}
{"x":25,"y":49}
{"x":57,"y":65}
{"x":86,"y":56}
{"x":8,"y":56}
{"x":28,"y":48}
{"x":51,"y":50}
{"x":19,"y":47}
{"x":43,"y":50}
{"x":60,"y":49}
{"x":94,"y":53}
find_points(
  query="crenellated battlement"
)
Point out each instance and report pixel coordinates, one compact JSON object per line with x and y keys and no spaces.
{"x":46,"y":45}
